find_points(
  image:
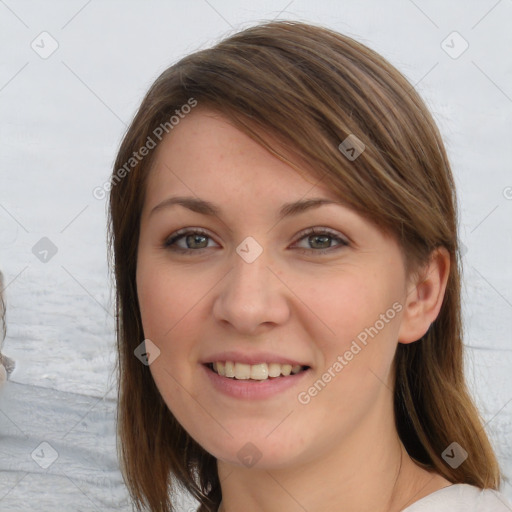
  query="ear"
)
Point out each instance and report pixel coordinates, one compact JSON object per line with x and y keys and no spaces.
{"x":425,"y":296}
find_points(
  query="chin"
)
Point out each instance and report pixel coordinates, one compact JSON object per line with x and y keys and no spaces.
{"x":257,"y":454}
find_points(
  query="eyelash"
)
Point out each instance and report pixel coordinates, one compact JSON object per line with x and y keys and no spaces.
{"x":171,"y":240}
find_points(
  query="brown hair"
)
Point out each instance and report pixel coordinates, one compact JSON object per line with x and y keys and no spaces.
{"x":312,"y":88}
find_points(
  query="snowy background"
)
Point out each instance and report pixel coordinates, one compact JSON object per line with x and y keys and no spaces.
{"x":62,"y":116}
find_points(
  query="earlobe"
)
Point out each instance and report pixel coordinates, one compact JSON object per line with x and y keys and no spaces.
{"x":425,"y":297}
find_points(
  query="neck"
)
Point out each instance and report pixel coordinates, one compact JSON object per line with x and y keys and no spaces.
{"x":363,"y":473}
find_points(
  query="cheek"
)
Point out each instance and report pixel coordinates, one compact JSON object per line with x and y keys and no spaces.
{"x":153,"y":299}
{"x":359,"y":330}
{"x":164,"y":319}
{"x":173,"y":310}
{"x":163,"y":299}
{"x":345,"y":306}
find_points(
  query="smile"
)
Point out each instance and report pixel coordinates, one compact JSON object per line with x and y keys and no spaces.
{"x":261,"y":371}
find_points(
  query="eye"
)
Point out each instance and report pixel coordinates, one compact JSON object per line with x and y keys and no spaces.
{"x":194,"y":239}
{"x":320,"y":240}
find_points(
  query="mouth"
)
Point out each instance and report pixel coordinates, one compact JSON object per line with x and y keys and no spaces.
{"x":254,"y":372}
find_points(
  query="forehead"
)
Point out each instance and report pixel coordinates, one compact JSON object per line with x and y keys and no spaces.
{"x":205,"y":155}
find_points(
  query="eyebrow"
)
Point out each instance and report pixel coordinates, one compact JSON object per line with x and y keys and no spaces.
{"x":207,"y":208}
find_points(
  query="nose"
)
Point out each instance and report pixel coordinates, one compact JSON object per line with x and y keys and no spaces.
{"x":252,"y":296}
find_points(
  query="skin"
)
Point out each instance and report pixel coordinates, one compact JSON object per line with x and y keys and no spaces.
{"x":341,"y":451}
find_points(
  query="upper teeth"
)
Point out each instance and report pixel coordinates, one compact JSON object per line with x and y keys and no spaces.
{"x":260,"y":371}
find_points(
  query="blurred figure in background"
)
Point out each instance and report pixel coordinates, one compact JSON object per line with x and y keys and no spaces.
{"x":6,"y":364}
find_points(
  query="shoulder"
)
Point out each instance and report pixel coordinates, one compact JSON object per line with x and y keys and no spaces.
{"x":462,"y":498}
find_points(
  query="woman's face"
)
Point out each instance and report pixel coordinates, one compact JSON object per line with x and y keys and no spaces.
{"x":254,"y":286}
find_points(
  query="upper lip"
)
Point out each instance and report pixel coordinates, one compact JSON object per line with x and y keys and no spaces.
{"x":255,"y":358}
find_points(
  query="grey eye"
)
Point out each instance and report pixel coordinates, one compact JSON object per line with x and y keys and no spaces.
{"x":320,"y":241}
{"x":196,"y":241}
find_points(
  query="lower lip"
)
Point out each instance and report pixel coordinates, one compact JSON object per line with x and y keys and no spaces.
{"x":253,"y":389}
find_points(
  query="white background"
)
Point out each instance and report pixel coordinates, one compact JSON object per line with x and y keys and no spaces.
{"x":62,"y":118}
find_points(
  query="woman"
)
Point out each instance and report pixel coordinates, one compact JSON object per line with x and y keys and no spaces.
{"x":283,"y":228}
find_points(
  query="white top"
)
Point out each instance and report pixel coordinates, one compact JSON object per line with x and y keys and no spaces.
{"x":459,"y":498}
{"x":462,"y":498}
